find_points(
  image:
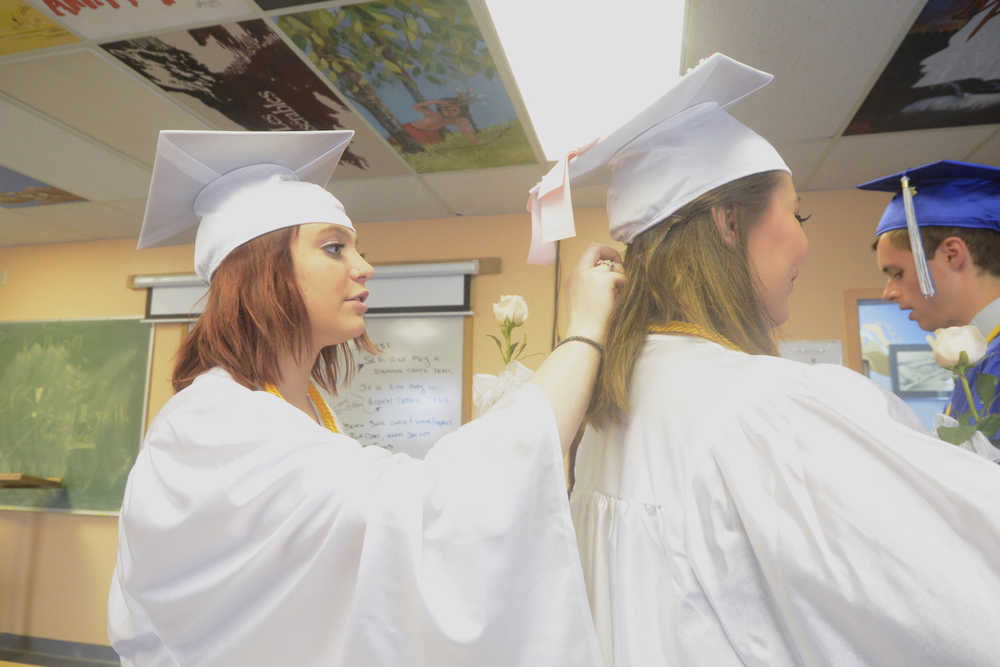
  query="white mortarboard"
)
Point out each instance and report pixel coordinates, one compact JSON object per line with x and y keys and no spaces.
{"x":236,"y":186}
{"x":679,"y":148}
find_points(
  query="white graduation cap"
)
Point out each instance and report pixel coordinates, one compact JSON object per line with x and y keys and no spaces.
{"x":679,"y":148}
{"x":236,"y":186}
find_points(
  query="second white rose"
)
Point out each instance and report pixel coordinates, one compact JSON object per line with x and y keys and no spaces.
{"x":948,"y":345}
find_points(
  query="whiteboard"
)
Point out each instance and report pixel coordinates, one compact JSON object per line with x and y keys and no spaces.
{"x":410,"y":395}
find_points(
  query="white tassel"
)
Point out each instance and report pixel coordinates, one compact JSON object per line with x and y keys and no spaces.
{"x":924,"y":276}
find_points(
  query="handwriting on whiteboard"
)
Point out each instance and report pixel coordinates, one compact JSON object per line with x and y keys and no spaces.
{"x":408,"y":396}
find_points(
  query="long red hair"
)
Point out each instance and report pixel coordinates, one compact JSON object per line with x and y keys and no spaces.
{"x":255,"y":313}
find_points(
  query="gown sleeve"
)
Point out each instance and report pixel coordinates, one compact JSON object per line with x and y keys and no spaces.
{"x":282,"y":544}
{"x":874,"y":543}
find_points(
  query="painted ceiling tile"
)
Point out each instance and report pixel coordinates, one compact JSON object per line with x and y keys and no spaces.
{"x":24,"y":28}
{"x":19,"y":191}
{"x":945,"y":73}
{"x":421,"y":74}
{"x":101,"y":19}
{"x":242,"y":76}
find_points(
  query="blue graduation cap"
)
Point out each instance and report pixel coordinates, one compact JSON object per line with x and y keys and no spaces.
{"x":941,"y":194}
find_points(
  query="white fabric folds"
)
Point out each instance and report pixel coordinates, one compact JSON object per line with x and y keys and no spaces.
{"x":259,"y":538}
{"x":759,"y":511}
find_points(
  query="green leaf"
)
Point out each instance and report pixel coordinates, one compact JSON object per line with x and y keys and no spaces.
{"x":497,"y":341}
{"x":965,"y":419}
{"x":301,"y":42}
{"x":510,"y":350}
{"x":956,"y":435}
{"x":321,"y":19}
{"x":963,"y":359}
{"x":986,"y":387}
{"x":990,"y":425}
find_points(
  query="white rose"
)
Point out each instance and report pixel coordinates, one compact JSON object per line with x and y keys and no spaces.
{"x":948,"y":345}
{"x":511,"y":307}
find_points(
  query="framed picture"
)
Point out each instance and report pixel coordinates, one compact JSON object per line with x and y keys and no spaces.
{"x":915,"y":374}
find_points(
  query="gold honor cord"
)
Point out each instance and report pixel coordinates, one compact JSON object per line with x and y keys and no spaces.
{"x":689,"y":329}
{"x":317,"y":400}
{"x":993,"y":334}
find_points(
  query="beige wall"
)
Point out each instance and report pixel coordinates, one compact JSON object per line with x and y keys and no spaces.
{"x":55,"y":568}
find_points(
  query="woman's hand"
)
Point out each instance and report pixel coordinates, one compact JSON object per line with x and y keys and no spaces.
{"x":591,"y":289}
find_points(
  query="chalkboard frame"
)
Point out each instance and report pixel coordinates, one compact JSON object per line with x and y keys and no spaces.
{"x":146,"y":365}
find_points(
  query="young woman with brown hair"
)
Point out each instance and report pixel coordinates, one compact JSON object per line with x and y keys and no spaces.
{"x":252,"y":533}
{"x":733,"y":507}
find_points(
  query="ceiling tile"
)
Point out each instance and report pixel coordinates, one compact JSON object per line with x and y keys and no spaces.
{"x":802,"y":158}
{"x":486,"y":191}
{"x":99,"y":20}
{"x":383,"y":199}
{"x":40,"y":224}
{"x":134,"y":207}
{"x":96,"y":96}
{"x":825,"y":56}
{"x":24,"y":28}
{"x":91,"y":221}
{"x":50,"y":152}
{"x":861,"y":158}
{"x":989,"y":152}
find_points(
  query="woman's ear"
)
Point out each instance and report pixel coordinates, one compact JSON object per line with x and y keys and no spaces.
{"x":725,"y":223}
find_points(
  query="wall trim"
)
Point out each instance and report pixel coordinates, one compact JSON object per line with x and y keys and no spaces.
{"x":54,"y":652}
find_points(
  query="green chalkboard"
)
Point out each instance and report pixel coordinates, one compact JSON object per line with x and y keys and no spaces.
{"x":72,"y":402}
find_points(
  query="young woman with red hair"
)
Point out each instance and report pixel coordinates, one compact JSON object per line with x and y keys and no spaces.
{"x":252,"y":533}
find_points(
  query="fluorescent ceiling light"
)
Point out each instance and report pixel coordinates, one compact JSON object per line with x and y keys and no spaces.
{"x":586,"y":67}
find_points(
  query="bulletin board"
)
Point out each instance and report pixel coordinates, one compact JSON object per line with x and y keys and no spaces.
{"x":72,"y":405}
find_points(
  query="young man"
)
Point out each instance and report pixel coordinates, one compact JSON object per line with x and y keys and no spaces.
{"x":956,"y":209}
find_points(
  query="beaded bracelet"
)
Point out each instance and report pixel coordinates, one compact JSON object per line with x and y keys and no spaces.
{"x":583,"y":339}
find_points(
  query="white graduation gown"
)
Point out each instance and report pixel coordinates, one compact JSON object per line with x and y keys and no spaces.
{"x":760,"y":511}
{"x":249,"y":535}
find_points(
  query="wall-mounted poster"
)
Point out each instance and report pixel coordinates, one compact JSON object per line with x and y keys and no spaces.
{"x":420,"y":72}
{"x":946,"y":72}
{"x":242,"y":76}
{"x":24,"y":28}
{"x":18,"y":191}
{"x":100,"y":19}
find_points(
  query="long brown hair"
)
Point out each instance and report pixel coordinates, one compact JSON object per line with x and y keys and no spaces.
{"x":682,"y":269}
{"x":255,"y":313}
